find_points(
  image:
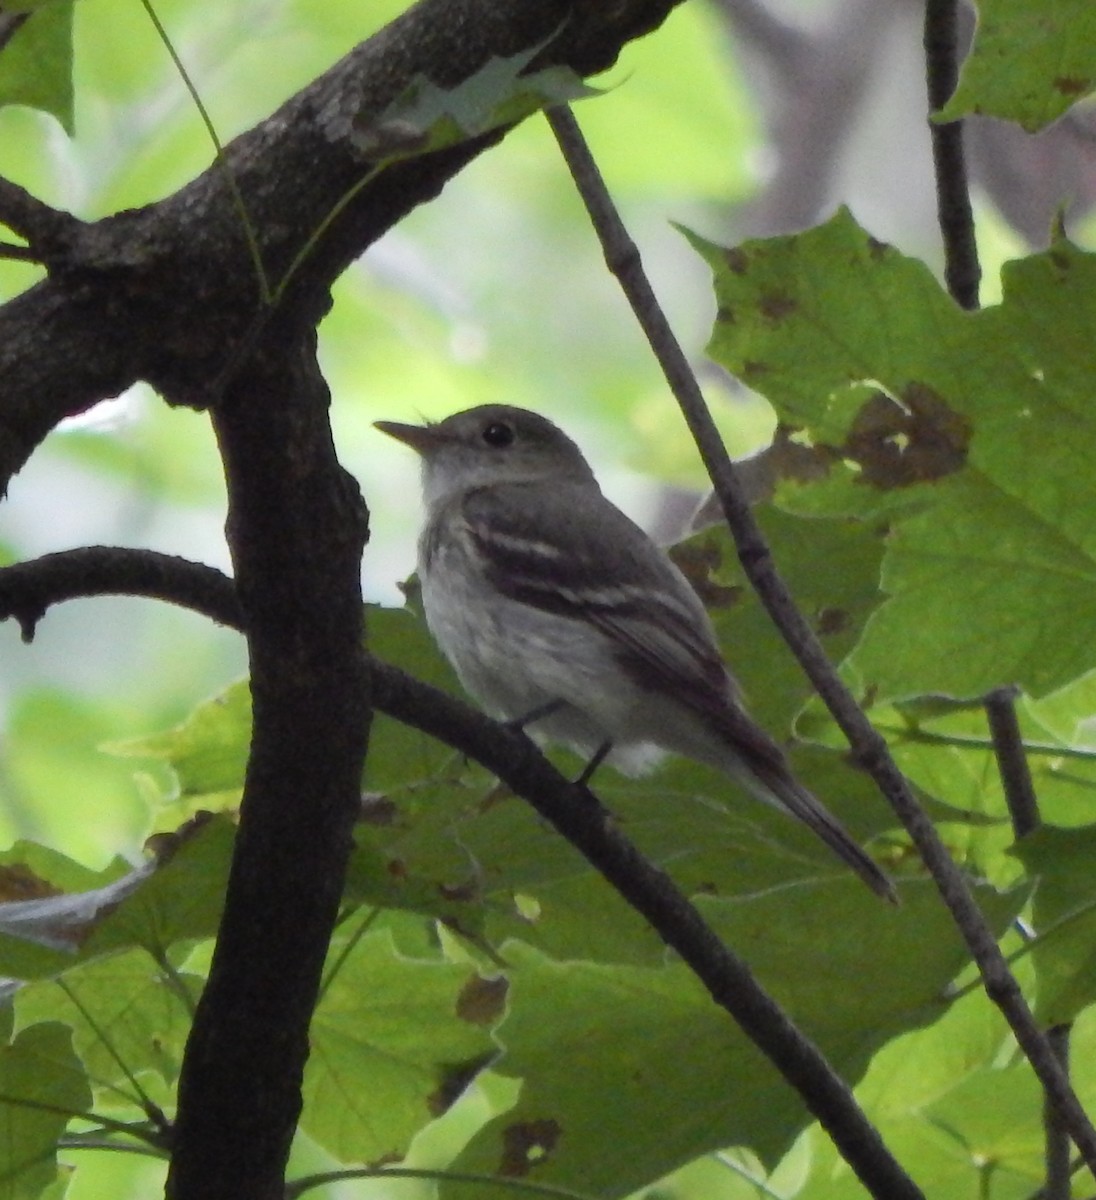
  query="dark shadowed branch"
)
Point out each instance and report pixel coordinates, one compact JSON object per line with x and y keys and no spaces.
{"x":1012,"y":763}
{"x":1023,"y":807}
{"x":961,"y":270}
{"x":869,"y":747}
{"x":27,"y":590}
{"x":296,"y":528}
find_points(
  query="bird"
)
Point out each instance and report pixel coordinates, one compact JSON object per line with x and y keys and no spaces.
{"x":563,"y":618}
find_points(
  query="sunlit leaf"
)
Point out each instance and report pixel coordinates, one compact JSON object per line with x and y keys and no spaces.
{"x":42,"y":1085}
{"x":979,"y":423}
{"x":1031,"y":61}
{"x":36,"y":64}
{"x":655,"y":1053}
{"x":394,"y":1041}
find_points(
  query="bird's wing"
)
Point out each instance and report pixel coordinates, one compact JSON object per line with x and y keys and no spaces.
{"x":540,"y":544}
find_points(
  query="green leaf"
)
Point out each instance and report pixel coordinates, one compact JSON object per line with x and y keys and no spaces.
{"x":1064,"y":917}
{"x":36,"y":65}
{"x":181,"y":901}
{"x":606,"y":1050}
{"x":42,"y":1085}
{"x":394,"y":1041}
{"x":1031,"y":61}
{"x":398,"y":754}
{"x":832,"y":568}
{"x":428,"y":117}
{"x":980,"y":424}
{"x":126,"y":1019}
{"x":208,"y":751}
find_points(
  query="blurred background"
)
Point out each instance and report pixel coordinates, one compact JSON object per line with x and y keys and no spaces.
{"x":739,"y":118}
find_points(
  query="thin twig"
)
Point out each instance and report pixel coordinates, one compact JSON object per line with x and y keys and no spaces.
{"x":869,"y":747}
{"x":1058,"y":1146}
{"x":1023,"y":807}
{"x":1012,"y":763}
{"x":962,"y":741}
{"x":961,"y":270}
{"x":248,"y":226}
{"x":47,"y":230}
{"x":573,"y":810}
{"x":15,"y":253}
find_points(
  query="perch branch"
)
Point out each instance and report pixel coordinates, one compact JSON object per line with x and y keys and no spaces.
{"x":623,"y":259}
{"x":573,"y":810}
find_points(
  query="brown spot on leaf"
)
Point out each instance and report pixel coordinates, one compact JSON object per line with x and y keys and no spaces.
{"x":697,"y":561}
{"x":877,"y":249}
{"x":775,"y":306}
{"x":455,"y":1077}
{"x":899,"y":444}
{"x":397,"y":868}
{"x":377,"y":809}
{"x":1069,"y":85}
{"x":724,"y":315}
{"x":754,"y":370}
{"x":786,"y":458}
{"x":482,"y":1001}
{"x":737,"y":259}
{"x":460,"y":893}
{"x":19,"y":882}
{"x":527,"y":1144}
{"x":164,"y":846}
{"x":831,"y":620}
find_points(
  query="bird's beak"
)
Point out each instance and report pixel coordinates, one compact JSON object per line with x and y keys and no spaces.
{"x":422,"y":438}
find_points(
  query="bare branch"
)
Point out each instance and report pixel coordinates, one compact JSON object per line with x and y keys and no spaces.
{"x":869,"y":747}
{"x":1008,"y":746}
{"x":1023,"y":806}
{"x":961,"y":270}
{"x":49,"y":231}
{"x":1058,"y":1146}
{"x":27,"y":590}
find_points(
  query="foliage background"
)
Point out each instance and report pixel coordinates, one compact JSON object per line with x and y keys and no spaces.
{"x":496,"y":292}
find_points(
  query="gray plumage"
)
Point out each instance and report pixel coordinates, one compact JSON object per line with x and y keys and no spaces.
{"x":541,"y":592}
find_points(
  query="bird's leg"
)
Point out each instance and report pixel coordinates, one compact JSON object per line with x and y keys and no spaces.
{"x":594,"y":763}
{"x":542,"y":710}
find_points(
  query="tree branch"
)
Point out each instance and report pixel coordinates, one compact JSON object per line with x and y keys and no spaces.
{"x":573,"y":810}
{"x":29,"y":589}
{"x":296,"y":529}
{"x":961,"y":270}
{"x":868,"y":746}
{"x":1023,"y":806}
{"x":49,"y":231}
{"x":167,"y":293}
{"x":1008,"y":747}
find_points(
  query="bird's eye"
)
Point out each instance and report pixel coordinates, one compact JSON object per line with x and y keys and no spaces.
{"x":498,"y":433}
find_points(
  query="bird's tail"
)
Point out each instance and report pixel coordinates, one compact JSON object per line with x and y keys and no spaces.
{"x":746,"y":752}
{"x":760,"y":765}
{"x":795,"y":799}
